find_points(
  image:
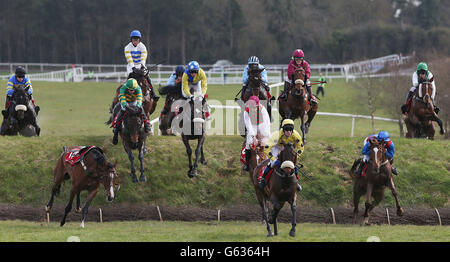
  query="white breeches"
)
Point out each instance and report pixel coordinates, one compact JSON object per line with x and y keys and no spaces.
{"x":195,"y":89}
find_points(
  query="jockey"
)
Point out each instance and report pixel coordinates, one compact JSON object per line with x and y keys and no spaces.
{"x":174,"y":83}
{"x":285,"y":135}
{"x":421,"y":75}
{"x":194,"y":81}
{"x":253,"y":63}
{"x":136,"y":56}
{"x":381,"y":136}
{"x":256,"y":121}
{"x":296,"y":62}
{"x":19,"y":79}
{"x":130,"y":92}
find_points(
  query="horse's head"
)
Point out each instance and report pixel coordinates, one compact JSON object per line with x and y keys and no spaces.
{"x":132,"y":124}
{"x":142,"y":79}
{"x":21,"y":100}
{"x":110,"y":179}
{"x":299,"y":84}
{"x":288,"y":153}
{"x":426,"y":91}
{"x":255,"y":79}
{"x":377,"y":153}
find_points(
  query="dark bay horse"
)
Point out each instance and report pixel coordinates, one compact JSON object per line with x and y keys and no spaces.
{"x":193,"y":127}
{"x":148,"y":103}
{"x":254,"y":88}
{"x":87,"y":168}
{"x":297,"y":104}
{"x":133,"y":137}
{"x":419,"y":121}
{"x":378,"y":176}
{"x":173,"y":93}
{"x":281,"y":187}
{"x":18,"y":118}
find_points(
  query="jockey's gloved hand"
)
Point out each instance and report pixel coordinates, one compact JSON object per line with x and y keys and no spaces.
{"x":299,"y":152}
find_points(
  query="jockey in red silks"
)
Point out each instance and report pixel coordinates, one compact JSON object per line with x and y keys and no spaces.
{"x":297,"y":61}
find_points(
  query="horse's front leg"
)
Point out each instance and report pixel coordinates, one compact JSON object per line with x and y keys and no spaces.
{"x":141,"y":160}
{"x":90,"y":196}
{"x":202,"y":157}
{"x":395,"y":194}
{"x":302,"y":127}
{"x":368,"y":205}
{"x":78,"y":206}
{"x":131,"y":158}
{"x":356,"y":198}
{"x":69,"y":206}
{"x":273,"y":220}
{"x":189,"y":153}
{"x":294,"y":216}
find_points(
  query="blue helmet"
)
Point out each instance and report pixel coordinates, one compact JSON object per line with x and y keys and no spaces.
{"x":193,"y":67}
{"x":135,"y":33}
{"x":179,"y":70}
{"x":253,"y":60}
{"x":383,"y":136}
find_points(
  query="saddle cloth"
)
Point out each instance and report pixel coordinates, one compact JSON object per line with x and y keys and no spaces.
{"x":269,"y":175}
{"x":74,"y":155}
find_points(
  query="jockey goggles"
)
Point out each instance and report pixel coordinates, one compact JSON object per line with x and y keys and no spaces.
{"x":288,"y":128}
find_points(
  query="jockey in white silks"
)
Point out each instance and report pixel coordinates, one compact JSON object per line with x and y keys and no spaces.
{"x":257,"y":121}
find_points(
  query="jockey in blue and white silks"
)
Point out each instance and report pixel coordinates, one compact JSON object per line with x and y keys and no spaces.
{"x":390,"y":150}
{"x":253,"y":63}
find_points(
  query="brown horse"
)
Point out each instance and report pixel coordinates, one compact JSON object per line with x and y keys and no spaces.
{"x":377,"y":176}
{"x":297,"y":104}
{"x":148,"y":103}
{"x":419,"y":121}
{"x":281,"y":187}
{"x":86,"y":167}
{"x":133,"y":137}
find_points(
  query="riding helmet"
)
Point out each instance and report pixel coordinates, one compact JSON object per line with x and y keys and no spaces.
{"x":193,"y":67}
{"x":288,"y":124}
{"x":253,"y":60}
{"x":422,"y":66}
{"x":179,"y":70}
{"x":20,"y":72}
{"x":131,"y":83}
{"x":383,"y":136}
{"x":298,"y":53}
{"x":135,"y":33}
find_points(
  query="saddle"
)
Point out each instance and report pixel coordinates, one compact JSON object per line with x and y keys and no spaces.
{"x":269,"y":175}
{"x":76,"y":154}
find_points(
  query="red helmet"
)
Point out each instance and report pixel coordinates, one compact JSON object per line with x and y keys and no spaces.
{"x":254,"y":98}
{"x":298,"y":53}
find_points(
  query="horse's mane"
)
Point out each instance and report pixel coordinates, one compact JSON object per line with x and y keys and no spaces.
{"x":99,"y":156}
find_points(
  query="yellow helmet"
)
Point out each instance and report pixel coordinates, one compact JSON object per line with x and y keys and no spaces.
{"x":131,"y":83}
{"x":287,"y":122}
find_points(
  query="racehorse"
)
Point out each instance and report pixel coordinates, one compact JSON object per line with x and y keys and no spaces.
{"x":373,"y":181}
{"x":86,"y":167}
{"x":148,"y":103}
{"x":133,"y":137}
{"x":419,"y":121}
{"x":254,"y":88}
{"x":165,"y":120}
{"x":193,"y":126}
{"x":18,"y":119}
{"x":297,"y":103}
{"x":281,"y":187}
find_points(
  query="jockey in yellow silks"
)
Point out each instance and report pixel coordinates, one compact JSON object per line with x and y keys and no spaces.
{"x":194,"y":82}
{"x":285,"y":135}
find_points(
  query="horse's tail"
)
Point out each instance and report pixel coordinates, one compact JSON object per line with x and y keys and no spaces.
{"x":354,"y":166}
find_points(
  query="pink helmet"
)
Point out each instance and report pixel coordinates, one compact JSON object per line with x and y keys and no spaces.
{"x":254,"y":98}
{"x":298,"y":53}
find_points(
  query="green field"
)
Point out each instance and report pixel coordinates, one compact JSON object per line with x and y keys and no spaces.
{"x":155,"y":231}
{"x":74,"y":114}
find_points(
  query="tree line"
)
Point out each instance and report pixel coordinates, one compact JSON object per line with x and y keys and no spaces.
{"x":177,"y":31}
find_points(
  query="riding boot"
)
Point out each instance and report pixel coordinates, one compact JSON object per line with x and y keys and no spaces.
{"x":312,"y":101}
{"x":394,"y":170}
{"x":404,"y":106}
{"x":262,"y":182}
{"x":285,"y":91}
{"x":147,"y":127}
{"x":248,"y":155}
{"x":360,"y":168}
{"x":152,"y":92}
{"x":116,"y":125}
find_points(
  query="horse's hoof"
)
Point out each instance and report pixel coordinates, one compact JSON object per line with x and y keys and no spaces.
{"x":142,"y":178}
{"x":270,"y":234}
{"x":292,"y":233}
{"x":78,"y":210}
{"x":47,"y":209}
{"x":134,"y":179}
{"x":400,"y":212}
{"x":203,"y":162}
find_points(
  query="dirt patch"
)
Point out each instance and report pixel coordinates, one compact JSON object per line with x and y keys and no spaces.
{"x":125,"y":212}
